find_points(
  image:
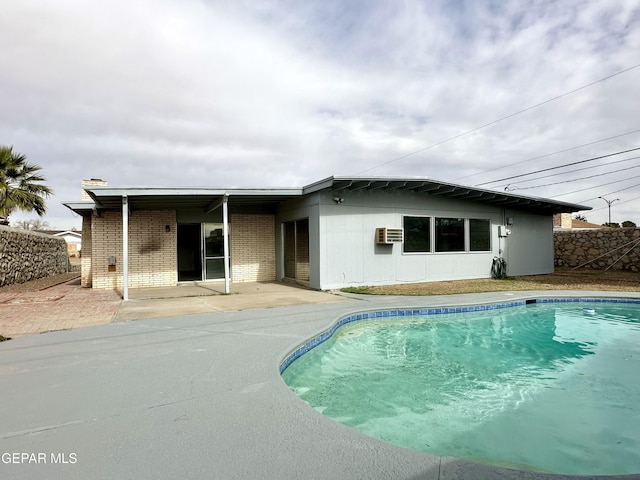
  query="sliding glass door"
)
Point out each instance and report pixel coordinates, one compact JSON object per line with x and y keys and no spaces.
{"x":296,"y":249}
{"x":200,"y":252}
{"x":213,"y":251}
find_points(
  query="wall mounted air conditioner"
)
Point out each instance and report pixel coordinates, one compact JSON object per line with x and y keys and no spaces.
{"x":389,"y":236}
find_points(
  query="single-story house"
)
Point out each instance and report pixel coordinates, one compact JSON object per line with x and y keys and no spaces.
{"x":334,"y":233}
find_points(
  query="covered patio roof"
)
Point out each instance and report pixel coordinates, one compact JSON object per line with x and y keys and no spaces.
{"x":199,"y":198}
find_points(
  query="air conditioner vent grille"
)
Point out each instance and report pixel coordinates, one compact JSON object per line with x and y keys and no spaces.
{"x":389,"y":236}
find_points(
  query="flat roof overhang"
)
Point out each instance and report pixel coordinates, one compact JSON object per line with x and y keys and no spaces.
{"x":208,"y":199}
{"x":81,"y":206}
{"x":430,"y":186}
{"x":184,"y":198}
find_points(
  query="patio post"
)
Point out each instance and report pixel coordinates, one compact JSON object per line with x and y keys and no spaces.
{"x":225,"y":237}
{"x":125,"y":248}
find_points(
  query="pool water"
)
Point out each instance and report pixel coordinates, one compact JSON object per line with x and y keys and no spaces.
{"x":553,"y":388}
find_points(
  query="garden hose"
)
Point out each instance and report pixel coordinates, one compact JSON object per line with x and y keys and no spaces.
{"x":499,"y":268}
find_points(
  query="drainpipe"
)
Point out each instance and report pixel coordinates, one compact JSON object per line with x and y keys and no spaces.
{"x":225,"y":238}
{"x":125,"y":248}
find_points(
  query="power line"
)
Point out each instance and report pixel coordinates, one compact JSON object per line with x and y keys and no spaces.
{"x":500,"y":119}
{"x":607,"y":194}
{"x":571,"y":171}
{"x":560,"y":166}
{"x":577,"y":179}
{"x":602,"y":185}
{"x":548,"y":155}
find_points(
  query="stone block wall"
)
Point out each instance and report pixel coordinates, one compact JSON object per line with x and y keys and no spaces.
{"x":604,"y":247}
{"x":26,"y":255}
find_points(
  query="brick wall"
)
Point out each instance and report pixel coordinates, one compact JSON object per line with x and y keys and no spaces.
{"x":253,"y":248}
{"x":106,"y":238}
{"x":85,"y":259}
{"x":152,"y":250}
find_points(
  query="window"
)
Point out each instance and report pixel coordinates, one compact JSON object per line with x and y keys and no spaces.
{"x":442,"y":235}
{"x":449,"y":235}
{"x":479,"y":235}
{"x":417,"y":234}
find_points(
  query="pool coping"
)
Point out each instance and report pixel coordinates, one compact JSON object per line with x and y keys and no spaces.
{"x":525,"y":298}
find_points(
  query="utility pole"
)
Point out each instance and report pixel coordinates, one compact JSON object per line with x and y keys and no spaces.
{"x":609,"y":202}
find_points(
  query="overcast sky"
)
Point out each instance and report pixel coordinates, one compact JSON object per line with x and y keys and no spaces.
{"x":285,"y":93}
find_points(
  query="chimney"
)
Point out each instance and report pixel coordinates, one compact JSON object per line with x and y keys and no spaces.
{"x":93,"y":182}
{"x":562,"y":220}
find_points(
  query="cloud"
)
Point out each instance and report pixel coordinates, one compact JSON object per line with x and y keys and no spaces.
{"x":281,"y":92}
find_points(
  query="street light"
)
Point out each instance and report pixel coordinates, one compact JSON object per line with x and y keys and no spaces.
{"x":609,"y":202}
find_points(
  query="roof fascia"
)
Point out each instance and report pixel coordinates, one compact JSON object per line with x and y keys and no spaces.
{"x":319,"y":185}
{"x":108,"y":191}
{"x":80,"y":206}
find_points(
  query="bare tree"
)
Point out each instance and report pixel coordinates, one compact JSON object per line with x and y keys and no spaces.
{"x":32,"y":224}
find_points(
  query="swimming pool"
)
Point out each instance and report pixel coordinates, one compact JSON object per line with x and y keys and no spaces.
{"x":545,"y":384}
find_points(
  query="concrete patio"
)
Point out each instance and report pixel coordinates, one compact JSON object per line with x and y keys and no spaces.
{"x":68,"y":305}
{"x":201,"y":297}
{"x":197,"y":396}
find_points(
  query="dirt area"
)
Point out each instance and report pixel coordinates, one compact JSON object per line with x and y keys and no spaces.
{"x":613,"y":280}
{"x":40,"y":283}
{"x":617,"y":281}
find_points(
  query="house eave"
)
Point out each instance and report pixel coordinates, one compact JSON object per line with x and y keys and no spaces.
{"x":429,"y":186}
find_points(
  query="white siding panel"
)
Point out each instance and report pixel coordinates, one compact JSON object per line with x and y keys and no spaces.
{"x":350,"y":256}
{"x":343,"y":251}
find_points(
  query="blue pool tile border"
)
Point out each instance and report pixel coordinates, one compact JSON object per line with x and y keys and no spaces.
{"x":407,"y":312}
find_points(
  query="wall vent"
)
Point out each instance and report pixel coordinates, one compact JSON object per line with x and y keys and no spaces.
{"x":389,"y":236}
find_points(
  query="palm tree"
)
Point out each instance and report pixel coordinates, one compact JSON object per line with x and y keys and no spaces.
{"x":20,"y":186}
